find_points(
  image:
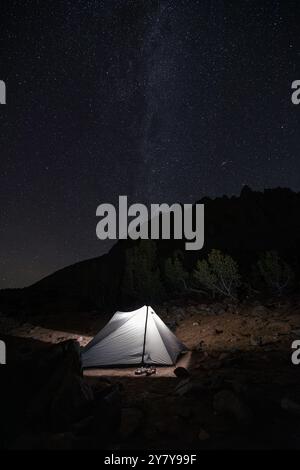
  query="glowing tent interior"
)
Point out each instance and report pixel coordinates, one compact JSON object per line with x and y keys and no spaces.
{"x":131,"y":338}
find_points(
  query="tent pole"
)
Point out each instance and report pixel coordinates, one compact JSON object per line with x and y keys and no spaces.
{"x":144,"y":344}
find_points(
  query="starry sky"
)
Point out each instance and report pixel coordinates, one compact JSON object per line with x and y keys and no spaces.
{"x":163,"y":101}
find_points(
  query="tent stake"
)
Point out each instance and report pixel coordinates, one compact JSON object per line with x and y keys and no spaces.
{"x":144,"y":345}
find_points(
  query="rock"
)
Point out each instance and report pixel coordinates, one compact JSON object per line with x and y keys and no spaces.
{"x":280,"y":328}
{"x":228,"y":403}
{"x":214,"y":382}
{"x":60,"y":385}
{"x":70,"y":400}
{"x":102,"y":385}
{"x":105,"y":414}
{"x":259,"y":310}
{"x":218,"y":309}
{"x":190,"y":311}
{"x":199,"y":346}
{"x":172,"y":324}
{"x":255,"y":340}
{"x":233,"y":308}
{"x":187,"y":386}
{"x":224,"y":356}
{"x":179,"y":314}
{"x":203,"y":435}
{"x":181,"y":372}
{"x":203,"y":307}
{"x":262,"y":341}
{"x":212,"y":365}
{"x":268,"y":340}
{"x":130,"y":422}
{"x":199,"y":361}
{"x":184,"y":387}
{"x":218,"y":331}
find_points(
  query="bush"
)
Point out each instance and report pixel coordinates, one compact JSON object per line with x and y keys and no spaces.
{"x":175,"y":273}
{"x":276,"y":273}
{"x":141,"y":280}
{"x":219,"y":274}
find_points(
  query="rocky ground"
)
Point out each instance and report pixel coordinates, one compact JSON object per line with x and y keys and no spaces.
{"x":239,"y":388}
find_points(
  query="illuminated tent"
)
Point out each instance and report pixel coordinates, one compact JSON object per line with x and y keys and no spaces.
{"x":131,"y":338}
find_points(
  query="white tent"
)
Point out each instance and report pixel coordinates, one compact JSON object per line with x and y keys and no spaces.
{"x":131,"y":338}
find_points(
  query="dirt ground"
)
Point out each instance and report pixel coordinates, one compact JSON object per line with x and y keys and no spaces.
{"x":242,"y":390}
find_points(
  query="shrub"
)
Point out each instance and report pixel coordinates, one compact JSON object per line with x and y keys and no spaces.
{"x":219,"y":274}
{"x":175,"y":273}
{"x":141,"y":280}
{"x":276,"y":273}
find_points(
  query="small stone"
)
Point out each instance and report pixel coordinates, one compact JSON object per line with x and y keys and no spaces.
{"x":255,"y":340}
{"x":218,"y":309}
{"x":218,"y":331}
{"x":280,"y":328}
{"x":199,"y":346}
{"x":259,"y":310}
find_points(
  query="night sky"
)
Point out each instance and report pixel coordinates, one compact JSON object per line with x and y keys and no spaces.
{"x":163,"y":101}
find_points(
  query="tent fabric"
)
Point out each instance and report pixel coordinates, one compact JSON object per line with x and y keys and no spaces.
{"x":121,"y":341}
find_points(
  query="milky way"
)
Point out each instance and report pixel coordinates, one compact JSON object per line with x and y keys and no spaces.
{"x":162,"y":101}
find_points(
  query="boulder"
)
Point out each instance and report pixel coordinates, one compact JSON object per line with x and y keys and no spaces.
{"x":103,"y":416}
{"x":69,"y":403}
